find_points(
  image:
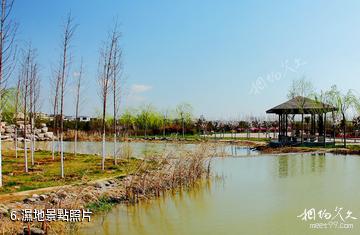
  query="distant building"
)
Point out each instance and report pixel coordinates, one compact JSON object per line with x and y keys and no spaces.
{"x":43,"y":116}
{"x":69,"y":118}
{"x":65,"y":118}
{"x":84,"y":118}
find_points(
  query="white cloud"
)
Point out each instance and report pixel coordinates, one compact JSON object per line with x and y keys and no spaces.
{"x":139,"y":88}
{"x":136,"y":91}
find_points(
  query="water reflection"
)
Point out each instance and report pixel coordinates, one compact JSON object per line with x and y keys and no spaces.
{"x":301,"y":164}
{"x":140,"y":148}
{"x":283,"y":166}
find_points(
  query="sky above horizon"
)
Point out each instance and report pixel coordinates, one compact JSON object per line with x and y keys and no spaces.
{"x":228,"y":59}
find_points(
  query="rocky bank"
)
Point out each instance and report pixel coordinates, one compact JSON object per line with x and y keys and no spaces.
{"x":11,"y":131}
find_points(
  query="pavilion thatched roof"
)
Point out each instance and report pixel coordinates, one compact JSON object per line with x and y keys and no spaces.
{"x":302,"y":105}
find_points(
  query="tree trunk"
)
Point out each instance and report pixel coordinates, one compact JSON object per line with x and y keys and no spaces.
{"x":53,"y":148}
{"x":16,"y":143}
{"x":62,"y":154}
{"x":325,"y":130}
{"x":25,"y":156}
{"x":183,"y":128}
{"x":145,"y":128}
{"x":75,"y":142}
{"x":103,"y":152}
{"x":115,"y":157}
{"x":25,"y":127}
{"x":32,"y":139}
{"x":164,"y":131}
{"x":31,"y":151}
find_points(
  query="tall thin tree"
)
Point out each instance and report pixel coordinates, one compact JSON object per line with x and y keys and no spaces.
{"x":107,"y":65}
{"x":17,"y":102}
{"x":64,"y":63}
{"x":77,"y":104}
{"x":34,"y":90}
{"x":7,"y":54}
{"x":26,"y":71}
{"x":117,"y":70}
{"x":56,"y":85}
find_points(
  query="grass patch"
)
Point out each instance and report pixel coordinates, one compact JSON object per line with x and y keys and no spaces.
{"x":46,"y":171}
{"x":353,"y":147}
{"x":101,"y":205}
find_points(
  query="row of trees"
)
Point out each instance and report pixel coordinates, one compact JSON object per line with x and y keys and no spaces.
{"x":346,"y":103}
{"x":27,"y":89}
{"x":20,"y":104}
{"x":145,"y":120}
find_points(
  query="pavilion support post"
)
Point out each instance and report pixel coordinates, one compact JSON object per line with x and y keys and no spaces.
{"x":302,"y":128}
{"x":312,"y":125}
{"x":283,"y":126}
{"x":333,"y":118}
{"x":320,"y":125}
{"x":279,"y":127}
{"x":286,"y":125}
{"x":325,"y":130}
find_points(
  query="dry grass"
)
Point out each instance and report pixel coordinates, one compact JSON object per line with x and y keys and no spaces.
{"x":176,"y":169}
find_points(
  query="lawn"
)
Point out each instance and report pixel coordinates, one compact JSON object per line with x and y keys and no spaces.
{"x":46,"y":172}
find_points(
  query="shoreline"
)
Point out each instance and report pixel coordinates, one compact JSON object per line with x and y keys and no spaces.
{"x":261,"y":146}
{"x":152,"y":178}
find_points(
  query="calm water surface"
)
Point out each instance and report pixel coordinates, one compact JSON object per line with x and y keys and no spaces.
{"x":257,"y":195}
{"x":138,"y":148}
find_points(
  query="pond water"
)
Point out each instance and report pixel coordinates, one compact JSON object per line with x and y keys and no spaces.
{"x":257,"y":195}
{"x":137,"y":148}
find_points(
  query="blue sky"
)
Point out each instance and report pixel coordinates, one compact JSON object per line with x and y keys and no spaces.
{"x":228,"y":59}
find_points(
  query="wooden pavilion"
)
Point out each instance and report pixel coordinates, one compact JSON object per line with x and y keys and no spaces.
{"x":306,"y":107}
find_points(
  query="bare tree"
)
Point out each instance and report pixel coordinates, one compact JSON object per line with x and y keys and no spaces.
{"x":107,"y":71}
{"x":56,"y":85}
{"x":34,"y":91}
{"x":7,"y":53}
{"x":78,"y":89}
{"x":117,"y":72}
{"x":63,"y":75}
{"x":26,"y":72}
{"x":300,"y":88}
